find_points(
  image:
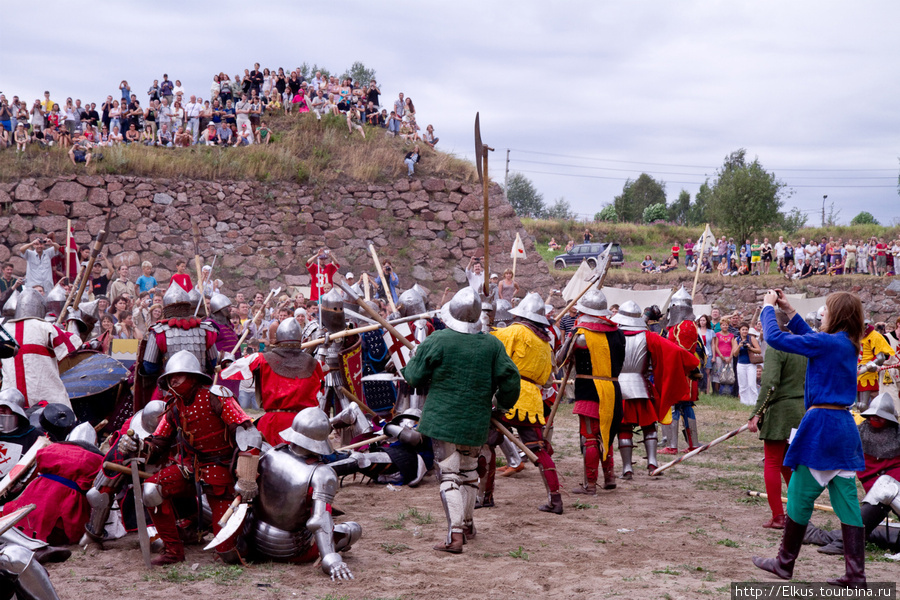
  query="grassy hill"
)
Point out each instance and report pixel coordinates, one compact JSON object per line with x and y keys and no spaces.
{"x":303,"y":150}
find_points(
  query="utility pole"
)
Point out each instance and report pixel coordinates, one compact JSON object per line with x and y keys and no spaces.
{"x":823,"y":209}
{"x":506,"y":178}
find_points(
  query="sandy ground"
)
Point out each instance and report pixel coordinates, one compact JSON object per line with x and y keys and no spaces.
{"x":685,"y":535}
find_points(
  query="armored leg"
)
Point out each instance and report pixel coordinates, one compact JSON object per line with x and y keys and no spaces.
{"x":510,"y":453}
{"x":863,"y":399}
{"x":95,"y":528}
{"x":44,"y":553}
{"x":459,"y":483}
{"x":670,"y":437}
{"x":650,"y":441}
{"x":32,"y":581}
{"x":690,"y":433}
{"x":626,"y":447}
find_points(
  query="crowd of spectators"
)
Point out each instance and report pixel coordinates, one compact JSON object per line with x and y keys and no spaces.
{"x":232,"y":115}
{"x":806,"y":258}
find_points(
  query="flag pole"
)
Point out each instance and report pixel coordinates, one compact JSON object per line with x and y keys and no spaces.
{"x":69,"y":250}
{"x":703,"y":239}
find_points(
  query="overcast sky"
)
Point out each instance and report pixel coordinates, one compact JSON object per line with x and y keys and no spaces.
{"x":591,"y":93}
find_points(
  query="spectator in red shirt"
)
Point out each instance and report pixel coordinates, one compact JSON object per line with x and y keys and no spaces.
{"x":321,"y":273}
{"x":181,"y":276}
{"x":880,"y":257}
{"x":675,"y":251}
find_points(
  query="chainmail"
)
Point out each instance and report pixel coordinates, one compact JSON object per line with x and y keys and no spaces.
{"x":881,"y":443}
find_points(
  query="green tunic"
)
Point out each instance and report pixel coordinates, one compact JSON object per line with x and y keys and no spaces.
{"x":787,"y":372}
{"x":462,"y":372}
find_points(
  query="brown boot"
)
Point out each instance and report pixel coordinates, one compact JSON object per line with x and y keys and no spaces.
{"x":609,"y":472}
{"x":854,"y":539}
{"x":777,"y":522}
{"x":170,"y":555}
{"x":554,"y":506}
{"x":783,"y":564}
{"x":469,"y":532}
{"x":455,"y":546}
{"x":587,"y":489}
{"x":510,"y":471}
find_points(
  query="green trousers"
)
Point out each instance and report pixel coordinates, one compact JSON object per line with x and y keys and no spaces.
{"x":804,"y":489}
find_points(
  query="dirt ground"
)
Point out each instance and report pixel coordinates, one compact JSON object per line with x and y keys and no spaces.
{"x":685,"y":535}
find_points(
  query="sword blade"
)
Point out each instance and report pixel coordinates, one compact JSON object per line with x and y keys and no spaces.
{"x":143,"y":534}
{"x":231,"y":527}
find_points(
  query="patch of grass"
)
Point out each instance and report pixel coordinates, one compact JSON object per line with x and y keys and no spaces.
{"x":392,"y":548}
{"x":411,"y":514}
{"x":729,"y":543}
{"x":580,"y":505}
{"x":219,"y":574}
{"x":518,"y":553}
{"x":666,"y":571}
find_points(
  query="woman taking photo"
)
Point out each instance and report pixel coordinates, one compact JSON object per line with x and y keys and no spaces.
{"x":708,"y":339}
{"x":826,"y":449}
{"x":745,"y":345}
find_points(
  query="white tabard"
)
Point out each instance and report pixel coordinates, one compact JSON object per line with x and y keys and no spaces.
{"x":33,"y":370}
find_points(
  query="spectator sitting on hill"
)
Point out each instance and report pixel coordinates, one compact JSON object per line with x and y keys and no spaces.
{"x":80,"y":152}
{"x":429,"y":138}
{"x":569,"y":245}
{"x":551,"y":245}
{"x":837,"y":268}
{"x":182,"y":138}
{"x":648,"y":265}
{"x":670,"y":265}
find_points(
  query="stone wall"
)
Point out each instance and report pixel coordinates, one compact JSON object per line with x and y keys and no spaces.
{"x":264,"y":233}
{"x":880,"y":296}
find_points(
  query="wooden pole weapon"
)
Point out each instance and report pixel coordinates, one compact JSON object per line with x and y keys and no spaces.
{"x":384,"y":283}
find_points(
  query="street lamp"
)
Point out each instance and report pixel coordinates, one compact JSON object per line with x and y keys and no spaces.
{"x":824,"y":197}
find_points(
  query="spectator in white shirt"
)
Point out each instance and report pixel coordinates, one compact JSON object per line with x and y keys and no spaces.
{"x":37,"y":258}
{"x":192,"y":115}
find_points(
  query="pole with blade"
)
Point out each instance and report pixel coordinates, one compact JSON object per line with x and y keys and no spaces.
{"x":384,"y":283}
{"x":703,"y":239}
{"x":195,"y":232}
{"x":598,"y":276}
{"x":481,"y":162}
{"x":202,"y":293}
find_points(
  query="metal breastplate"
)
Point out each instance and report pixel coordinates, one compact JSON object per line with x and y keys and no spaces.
{"x":284,"y":490}
{"x":193,"y":340}
{"x":203,"y":430}
{"x":632,"y":379}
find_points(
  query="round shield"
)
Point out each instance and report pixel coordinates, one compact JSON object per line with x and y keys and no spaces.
{"x":93,"y":386}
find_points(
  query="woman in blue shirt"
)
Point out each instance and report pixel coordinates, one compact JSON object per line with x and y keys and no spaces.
{"x":826,"y":449}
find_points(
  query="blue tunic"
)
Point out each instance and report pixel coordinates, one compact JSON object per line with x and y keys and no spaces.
{"x":826,"y":439}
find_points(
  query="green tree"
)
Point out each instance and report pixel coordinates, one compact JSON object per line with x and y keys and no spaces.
{"x":679,"y":211}
{"x":793,"y":221}
{"x":524,"y":197}
{"x":655,"y":212}
{"x":637,"y":195}
{"x":864,"y":218}
{"x":698,"y":213}
{"x":310,"y":72}
{"x":560,"y":210}
{"x":359,"y":74}
{"x":608,"y":213}
{"x":745,"y":197}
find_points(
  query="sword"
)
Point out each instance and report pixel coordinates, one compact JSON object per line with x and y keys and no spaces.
{"x":697,"y":451}
{"x":143,"y":534}
{"x":230,"y":523}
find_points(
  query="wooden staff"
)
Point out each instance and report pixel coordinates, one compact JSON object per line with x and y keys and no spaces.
{"x":697,"y":451}
{"x":699,"y":261}
{"x":342,"y":283}
{"x":373,"y":440}
{"x":363,"y":329}
{"x":202,"y":291}
{"x":443,"y":296}
{"x":783,"y":499}
{"x":562,"y":389}
{"x":384,"y":283}
{"x":75,"y":299}
{"x":256,"y":316}
{"x":597,"y":278}
{"x":508,"y":435}
{"x":195,"y":232}
{"x":487,"y":220}
{"x":69,"y":250}
{"x":111,"y":466}
{"x":365,"y":280}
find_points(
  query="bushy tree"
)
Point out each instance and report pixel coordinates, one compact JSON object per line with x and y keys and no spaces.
{"x":864,"y":218}
{"x":793,"y":221}
{"x":608,"y":213}
{"x":655,"y":212}
{"x":698,"y":213}
{"x":637,"y":195}
{"x":359,"y":74}
{"x":310,"y":72}
{"x":560,"y":210}
{"x":745,"y":197}
{"x":524,"y":197}
{"x":679,"y":211}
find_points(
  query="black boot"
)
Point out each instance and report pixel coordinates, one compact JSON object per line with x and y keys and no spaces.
{"x":817,"y":536}
{"x":872,"y":515}
{"x":783,"y":565}
{"x":854,"y":558}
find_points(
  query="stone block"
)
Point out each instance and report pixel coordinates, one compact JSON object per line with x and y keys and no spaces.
{"x":29,"y":192}
{"x":68,"y":191}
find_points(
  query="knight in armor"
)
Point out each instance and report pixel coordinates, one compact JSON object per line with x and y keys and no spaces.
{"x":209,"y":432}
{"x":875,"y":351}
{"x":528,"y":345}
{"x":412,"y":303}
{"x":34,"y":370}
{"x":22,"y":575}
{"x":81,"y":320}
{"x":598,"y":349}
{"x":108,"y":483}
{"x":502,"y":316}
{"x":226,"y":336}
{"x":291,"y":519}
{"x":287,"y":380}
{"x":880,"y":435}
{"x":55,"y":301}
{"x":178,"y":330}
{"x":463,"y":372}
{"x":681,"y":329}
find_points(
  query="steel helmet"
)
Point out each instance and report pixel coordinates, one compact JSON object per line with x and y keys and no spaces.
{"x":630,"y":317}
{"x":882,"y":406}
{"x":181,"y":363}
{"x":310,"y":430}
{"x":289,"y":331}
{"x":463,"y":312}
{"x":532,"y":308}
{"x":593,"y":303}
{"x":30,"y":305}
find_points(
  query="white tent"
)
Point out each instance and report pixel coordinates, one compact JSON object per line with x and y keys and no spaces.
{"x":578,"y":282}
{"x":643,"y":298}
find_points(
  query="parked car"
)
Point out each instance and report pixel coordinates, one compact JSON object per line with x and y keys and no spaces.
{"x":589,"y":252}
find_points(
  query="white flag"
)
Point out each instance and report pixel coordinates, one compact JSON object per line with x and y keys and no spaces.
{"x":518,"y":249}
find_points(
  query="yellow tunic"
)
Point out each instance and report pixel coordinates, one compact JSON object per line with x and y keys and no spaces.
{"x":533,"y":357}
{"x":872,"y":345}
{"x":601,"y":366}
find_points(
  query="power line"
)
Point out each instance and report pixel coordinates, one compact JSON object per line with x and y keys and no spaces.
{"x":538,"y":162}
{"x":633,"y":162}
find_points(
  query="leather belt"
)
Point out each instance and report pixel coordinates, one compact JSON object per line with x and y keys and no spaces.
{"x":596,"y":377}
{"x":830,"y":406}
{"x":523,"y":378}
{"x":283,"y":410}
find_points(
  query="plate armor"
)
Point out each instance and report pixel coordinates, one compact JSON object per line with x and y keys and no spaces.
{"x":632,"y":379}
{"x":194,"y":340}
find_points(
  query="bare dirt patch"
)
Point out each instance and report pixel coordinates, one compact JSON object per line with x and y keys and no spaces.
{"x":685,"y":535}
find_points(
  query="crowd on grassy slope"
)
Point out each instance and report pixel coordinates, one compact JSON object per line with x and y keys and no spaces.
{"x":233,"y":115}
